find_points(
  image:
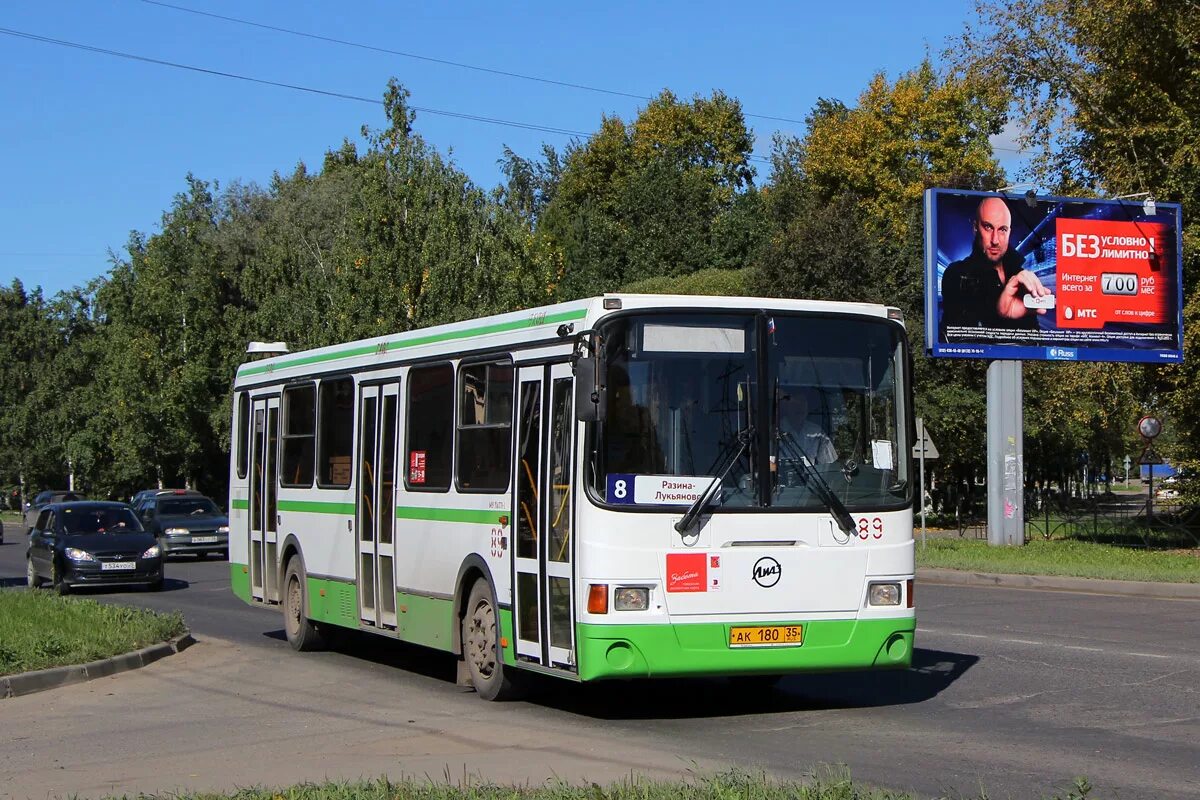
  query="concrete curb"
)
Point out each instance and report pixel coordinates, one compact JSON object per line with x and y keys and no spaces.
{"x":42,"y":679}
{"x":1165,"y":591}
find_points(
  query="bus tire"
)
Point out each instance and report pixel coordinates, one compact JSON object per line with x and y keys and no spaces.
{"x":480,"y":645}
{"x":302,"y":633}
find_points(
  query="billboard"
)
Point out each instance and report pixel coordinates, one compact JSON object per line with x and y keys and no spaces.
{"x":1052,"y":278}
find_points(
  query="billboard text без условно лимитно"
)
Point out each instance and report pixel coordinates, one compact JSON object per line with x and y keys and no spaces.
{"x":1111,"y":271}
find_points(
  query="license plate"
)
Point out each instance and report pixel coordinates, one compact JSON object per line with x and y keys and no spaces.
{"x":203,"y":539}
{"x":106,"y":566}
{"x":765,"y":635}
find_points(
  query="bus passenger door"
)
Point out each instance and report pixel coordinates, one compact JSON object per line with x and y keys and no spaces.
{"x":264,"y":482}
{"x":378,"y":423}
{"x":543,"y":594}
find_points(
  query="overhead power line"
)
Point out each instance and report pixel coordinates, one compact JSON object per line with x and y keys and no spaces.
{"x":297,"y":87}
{"x":458,"y":64}
{"x":51,"y":255}
{"x":430,"y":59}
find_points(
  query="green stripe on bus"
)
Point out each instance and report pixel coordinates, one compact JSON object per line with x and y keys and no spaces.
{"x":239,"y":580}
{"x":448,"y":336}
{"x":317,"y":507}
{"x":428,"y":621}
{"x":333,"y":601}
{"x":491,"y":517}
{"x":243,"y":505}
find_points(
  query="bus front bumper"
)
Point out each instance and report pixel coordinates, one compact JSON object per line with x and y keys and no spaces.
{"x":703,"y":649}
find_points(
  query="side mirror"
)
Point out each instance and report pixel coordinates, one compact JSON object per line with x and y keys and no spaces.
{"x":591,"y":399}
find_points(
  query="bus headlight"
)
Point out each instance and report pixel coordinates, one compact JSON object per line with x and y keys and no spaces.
{"x":631,"y":598}
{"x":883,"y":594}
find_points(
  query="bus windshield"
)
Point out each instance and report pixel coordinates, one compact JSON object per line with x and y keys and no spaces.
{"x":789,"y":408}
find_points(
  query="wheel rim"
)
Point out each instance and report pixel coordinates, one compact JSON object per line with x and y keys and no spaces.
{"x":481,"y":639}
{"x":30,"y":575}
{"x":294,"y":601}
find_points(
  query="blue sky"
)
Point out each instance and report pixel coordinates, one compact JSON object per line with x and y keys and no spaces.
{"x":93,"y":146}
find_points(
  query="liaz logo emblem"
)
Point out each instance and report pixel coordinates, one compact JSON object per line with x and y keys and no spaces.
{"x":767,"y":572}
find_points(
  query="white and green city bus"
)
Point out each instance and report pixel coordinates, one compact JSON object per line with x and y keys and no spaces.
{"x":606,"y":488}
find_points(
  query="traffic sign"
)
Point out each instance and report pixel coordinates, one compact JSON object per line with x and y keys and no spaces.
{"x":924,"y":445}
{"x":1149,"y":427}
{"x":1149,"y":456}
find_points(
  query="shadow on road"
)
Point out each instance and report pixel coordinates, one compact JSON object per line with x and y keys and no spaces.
{"x":387,"y":652}
{"x":932,"y":671}
{"x":169,"y":585}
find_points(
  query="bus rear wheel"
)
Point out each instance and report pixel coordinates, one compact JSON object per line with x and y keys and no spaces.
{"x":480,"y":646}
{"x":302,"y":633}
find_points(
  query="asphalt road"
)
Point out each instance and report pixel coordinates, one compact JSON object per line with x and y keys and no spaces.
{"x":1013,"y":691}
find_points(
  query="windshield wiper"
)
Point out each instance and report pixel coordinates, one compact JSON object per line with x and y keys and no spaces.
{"x":813,"y":479}
{"x":729,"y":456}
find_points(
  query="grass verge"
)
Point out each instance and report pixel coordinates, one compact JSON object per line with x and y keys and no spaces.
{"x":1062,"y":557}
{"x":40,"y":630}
{"x":831,"y":784}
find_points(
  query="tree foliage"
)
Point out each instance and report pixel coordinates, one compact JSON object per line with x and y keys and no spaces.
{"x":1105,"y":95}
{"x":666,"y":195}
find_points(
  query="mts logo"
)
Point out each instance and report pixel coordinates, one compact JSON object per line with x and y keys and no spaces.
{"x":1086,"y":313}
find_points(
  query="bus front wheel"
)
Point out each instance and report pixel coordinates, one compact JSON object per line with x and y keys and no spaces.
{"x":302,"y":633}
{"x":480,"y":646}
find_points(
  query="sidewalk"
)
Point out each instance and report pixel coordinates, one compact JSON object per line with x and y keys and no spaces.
{"x":1165,"y":591}
{"x":42,"y":679}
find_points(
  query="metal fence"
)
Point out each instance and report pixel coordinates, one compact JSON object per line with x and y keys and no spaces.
{"x":1123,"y":520}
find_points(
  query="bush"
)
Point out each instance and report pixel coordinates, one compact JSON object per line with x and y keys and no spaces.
{"x":712,"y":282}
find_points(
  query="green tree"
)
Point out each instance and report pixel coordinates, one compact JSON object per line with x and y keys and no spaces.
{"x":1105,"y":96}
{"x":168,"y":345}
{"x":665,"y":195}
{"x":30,"y":457}
{"x":844,"y":205}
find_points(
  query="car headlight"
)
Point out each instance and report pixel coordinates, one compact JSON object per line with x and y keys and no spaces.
{"x":223,"y":529}
{"x":75,"y":554}
{"x":151,"y":552}
{"x":176,"y":531}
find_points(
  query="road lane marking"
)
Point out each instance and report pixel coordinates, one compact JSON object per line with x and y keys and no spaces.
{"x":1038,"y":643}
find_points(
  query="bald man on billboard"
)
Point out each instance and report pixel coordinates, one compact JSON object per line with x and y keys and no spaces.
{"x":988,"y":289}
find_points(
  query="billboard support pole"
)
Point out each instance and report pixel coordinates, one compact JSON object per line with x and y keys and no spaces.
{"x":1005,"y":454}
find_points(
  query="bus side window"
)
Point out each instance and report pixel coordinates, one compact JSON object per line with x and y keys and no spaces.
{"x":335,"y":428}
{"x":484,"y":426}
{"x":299,"y":433}
{"x":429,"y":427}
{"x":243,"y":433}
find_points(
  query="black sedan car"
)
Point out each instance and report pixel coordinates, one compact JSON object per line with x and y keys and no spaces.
{"x":91,"y":544}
